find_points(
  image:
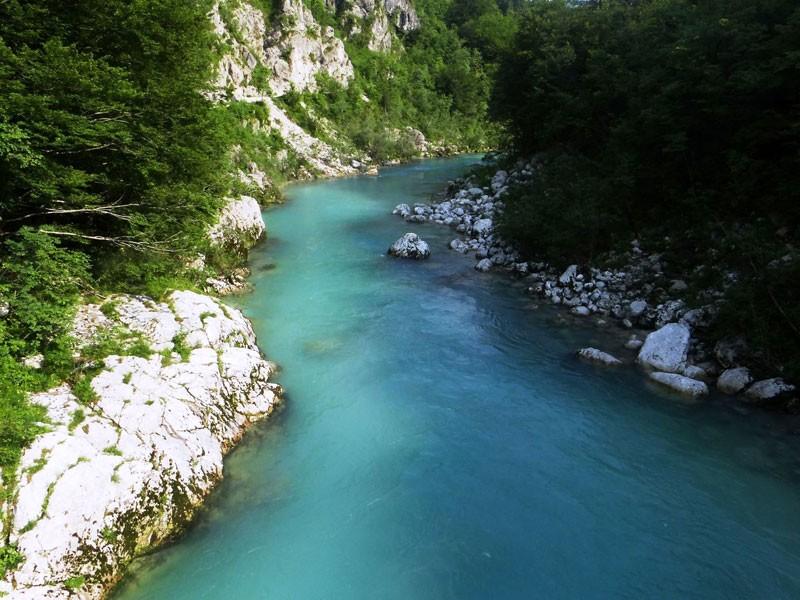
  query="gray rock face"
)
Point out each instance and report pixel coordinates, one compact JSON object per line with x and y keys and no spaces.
{"x":733,"y":381}
{"x":666,"y":349}
{"x":298,"y":50}
{"x":117,"y":476}
{"x":768,"y":390}
{"x":410,"y":246}
{"x":679,"y":383}
{"x":598,"y":356}
{"x":380,"y":16}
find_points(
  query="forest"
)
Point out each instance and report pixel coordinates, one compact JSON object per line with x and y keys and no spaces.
{"x":675,"y":123}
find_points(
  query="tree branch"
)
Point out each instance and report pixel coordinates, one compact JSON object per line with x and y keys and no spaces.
{"x":106,"y":210}
{"x":161,"y":246}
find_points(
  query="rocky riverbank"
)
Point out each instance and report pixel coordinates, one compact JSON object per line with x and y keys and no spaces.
{"x":124,"y":465}
{"x":637,"y":296}
{"x":128,"y":454}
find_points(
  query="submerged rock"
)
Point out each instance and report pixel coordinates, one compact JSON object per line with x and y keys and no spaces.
{"x":410,"y":246}
{"x":680,"y":383}
{"x":666,"y":349}
{"x":598,"y":356}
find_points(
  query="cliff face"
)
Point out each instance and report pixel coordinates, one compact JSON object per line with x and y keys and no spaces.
{"x":267,"y":59}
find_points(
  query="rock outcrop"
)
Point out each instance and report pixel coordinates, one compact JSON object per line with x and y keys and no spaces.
{"x":239,"y":226}
{"x":264,"y":62}
{"x":298,"y":50}
{"x":123,"y":466}
{"x":382,"y":17}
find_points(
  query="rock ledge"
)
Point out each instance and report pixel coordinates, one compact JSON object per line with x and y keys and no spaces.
{"x":119,"y":475}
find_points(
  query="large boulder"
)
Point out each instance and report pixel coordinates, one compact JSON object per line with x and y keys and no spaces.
{"x":666,"y":349}
{"x":568,"y":275}
{"x":681,"y":384}
{"x":410,"y":246}
{"x":733,"y":381}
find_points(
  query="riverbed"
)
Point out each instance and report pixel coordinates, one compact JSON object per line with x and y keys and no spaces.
{"x":441,"y":440}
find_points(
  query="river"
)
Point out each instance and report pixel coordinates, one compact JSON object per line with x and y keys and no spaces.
{"x":441,"y":440}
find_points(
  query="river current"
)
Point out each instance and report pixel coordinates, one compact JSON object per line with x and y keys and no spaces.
{"x":440,"y":440}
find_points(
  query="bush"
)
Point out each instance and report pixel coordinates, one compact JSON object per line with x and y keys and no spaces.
{"x":10,"y":558}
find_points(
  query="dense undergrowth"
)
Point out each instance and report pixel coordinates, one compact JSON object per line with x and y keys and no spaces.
{"x":674,"y":122}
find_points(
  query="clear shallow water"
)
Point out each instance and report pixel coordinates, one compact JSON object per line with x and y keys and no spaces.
{"x":440,"y":440}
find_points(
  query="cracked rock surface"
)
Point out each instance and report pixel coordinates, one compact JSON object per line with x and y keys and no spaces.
{"x":115,"y":477}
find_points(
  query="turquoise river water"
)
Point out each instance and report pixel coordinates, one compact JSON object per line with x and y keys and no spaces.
{"x":440,"y":440}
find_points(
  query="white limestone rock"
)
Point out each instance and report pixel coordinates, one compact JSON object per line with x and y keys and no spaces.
{"x":733,"y":381}
{"x":298,"y":50}
{"x":680,"y":383}
{"x":666,"y":349}
{"x":768,"y":391}
{"x":410,"y":246}
{"x":402,"y":209}
{"x":112,"y":479}
{"x":240,"y":225}
{"x":295,"y":52}
{"x":598,"y":356}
